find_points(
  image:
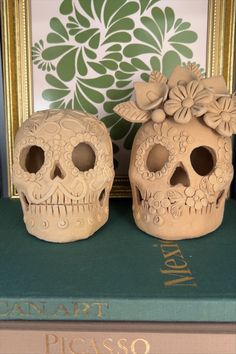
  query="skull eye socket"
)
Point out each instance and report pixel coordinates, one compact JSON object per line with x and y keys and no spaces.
{"x":157,"y":158}
{"x":202,"y":160}
{"x":83,"y":157}
{"x":32,"y":158}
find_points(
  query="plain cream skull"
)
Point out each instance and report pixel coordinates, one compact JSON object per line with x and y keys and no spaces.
{"x":180,"y":176}
{"x":63,"y":172}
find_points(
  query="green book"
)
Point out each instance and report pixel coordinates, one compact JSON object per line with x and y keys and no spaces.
{"x":119,"y":274}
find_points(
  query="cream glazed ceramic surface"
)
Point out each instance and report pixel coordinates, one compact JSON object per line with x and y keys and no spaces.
{"x":63,"y":172}
{"x":180,"y":168}
{"x":179,"y":183}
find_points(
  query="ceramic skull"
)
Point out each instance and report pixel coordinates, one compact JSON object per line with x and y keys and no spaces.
{"x":180,"y":169}
{"x":63,"y":172}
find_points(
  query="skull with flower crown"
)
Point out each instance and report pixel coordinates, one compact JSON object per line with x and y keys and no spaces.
{"x":180,"y":167}
{"x":63,"y":172}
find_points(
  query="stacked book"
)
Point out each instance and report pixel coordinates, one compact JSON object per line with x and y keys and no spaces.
{"x":120,"y":291}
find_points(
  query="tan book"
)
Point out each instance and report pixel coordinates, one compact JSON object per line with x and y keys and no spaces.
{"x":116,"y":338}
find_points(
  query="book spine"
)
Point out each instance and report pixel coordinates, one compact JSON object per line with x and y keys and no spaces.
{"x":70,"y":342}
{"x":215,"y":310}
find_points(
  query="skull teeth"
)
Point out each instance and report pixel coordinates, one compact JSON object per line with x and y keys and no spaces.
{"x":61,"y":210}
{"x":59,"y":198}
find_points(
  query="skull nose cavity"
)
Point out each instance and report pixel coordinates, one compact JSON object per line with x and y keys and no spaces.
{"x":57,"y":171}
{"x":180,"y":176}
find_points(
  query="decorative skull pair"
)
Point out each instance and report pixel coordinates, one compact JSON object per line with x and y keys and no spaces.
{"x":63,"y":171}
{"x":180,"y":169}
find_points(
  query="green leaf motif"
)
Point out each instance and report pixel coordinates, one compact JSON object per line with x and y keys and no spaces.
{"x":95,"y":41}
{"x":183,"y":26}
{"x":126,"y":24}
{"x":66,"y":7}
{"x":126,"y":67}
{"x":73,"y":27}
{"x":87,"y":7}
{"x":120,"y":75}
{"x":81,"y":66}
{"x":108,"y":106}
{"x":159,"y":17}
{"x":122,"y":84}
{"x":184,"y":37}
{"x":114,"y":56}
{"x":118,"y":94}
{"x":125,"y":11}
{"x":139,"y":64}
{"x":66,"y":66}
{"x":69,"y":105}
{"x":120,"y":37}
{"x":145,"y":37}
{"x":134,"y":50}
{"x":90,"y":53}
{"x":114,"y":48}
{"x":104,"y":81}
{"x":155,"y":63}
{"x":53,"y":81}
{"x":109,"y":64}
{"x":93,"y":95}
{"x":59,"y":28}
{"x":152,"y":26}
{"x":177,"y":22}
{"x":84,"y":22}
{"x":84,"y":36}
{"x":170,"y":17}
{"x":54,"y":38}
{"x":100,"y":69}
{"x":183,"y":50}
{"x":54,"y":94}
{"x":98,"y":5}
{"x":52,"y":53}
{"x":76,"y":103}
{"x":169,"y":62}
{"x":145,"y":77}
{"x":57,"y":105}
{"x":110,"y":8}
{"x":146,"y":4}
{"x":86,"y":104}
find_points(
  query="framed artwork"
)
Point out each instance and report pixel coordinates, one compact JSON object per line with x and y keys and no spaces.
{"x":86,"y":54}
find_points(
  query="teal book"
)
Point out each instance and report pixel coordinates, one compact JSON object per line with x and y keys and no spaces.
{"x":119,"y":274}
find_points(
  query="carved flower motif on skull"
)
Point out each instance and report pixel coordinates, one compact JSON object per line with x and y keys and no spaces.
{"x":63,"y":171}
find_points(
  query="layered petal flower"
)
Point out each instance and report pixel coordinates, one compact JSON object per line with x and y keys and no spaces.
{"x":221,"y":116}
{"x":188,"y":101}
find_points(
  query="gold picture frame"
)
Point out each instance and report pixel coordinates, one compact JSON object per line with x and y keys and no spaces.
{"x":17,"y":66}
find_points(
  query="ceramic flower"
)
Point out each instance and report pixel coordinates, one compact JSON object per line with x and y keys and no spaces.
{"x":188,"y":101}
{"x":221,"y":116}
{"x":158,"y":203}
{"x":195,"y":198}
